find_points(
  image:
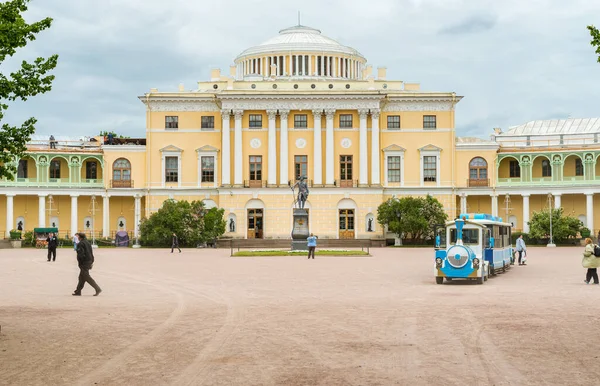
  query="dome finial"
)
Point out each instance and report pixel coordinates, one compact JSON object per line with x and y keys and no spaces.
{"x":299,"y":19}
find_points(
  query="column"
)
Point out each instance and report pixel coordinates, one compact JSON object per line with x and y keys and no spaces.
{"x":9,"y":213}
{"x":42,"y":211}
{"x":322,"y":65}
{"x":589,"y":206}
{"x":557,"y":201}
{"x":375,"y":148}
{"x":272,"y":150}
{"x":318,"y":155}
{"x":105,"y":216}
{"x":329,"y":148}
{"x":363,"y":174}
{"x":463,"y":203}
{"x":525,"y":213}
{"x":310,"y":65}
{"x":237,"y":165}
{"x":495,"y":206}
{"x":225,"y":149}
{"x":137,"y":216}
{"x":283,"y":147}
{"x":295,"y":72}
{"x":74,"y":221}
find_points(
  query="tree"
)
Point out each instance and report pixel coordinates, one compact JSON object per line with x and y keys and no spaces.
{"x":563,"y":227}
{"x":214,"y":224}
{"x":411,"y":217}
{"x":595,"y":39}
{"x":183,"y":218}
{"x":105,"y":133}
{"x":29,"y":80}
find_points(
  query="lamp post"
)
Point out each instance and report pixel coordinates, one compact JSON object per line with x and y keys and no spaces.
{"x":551,"y":241}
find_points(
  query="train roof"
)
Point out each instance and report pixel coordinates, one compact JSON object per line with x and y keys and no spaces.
{"x":481,"y":218}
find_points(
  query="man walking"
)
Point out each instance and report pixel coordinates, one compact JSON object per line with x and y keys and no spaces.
{"x":311,"y":242}
{"x":175,"y":243}
{"x":52,"y":244}
{"x":85,"y":260}
{"x":521,"y":249}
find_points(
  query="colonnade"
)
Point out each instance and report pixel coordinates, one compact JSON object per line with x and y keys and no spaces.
{"x":301,"y":65}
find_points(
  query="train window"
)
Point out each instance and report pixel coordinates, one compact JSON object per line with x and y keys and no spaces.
{"x":470,"y":236}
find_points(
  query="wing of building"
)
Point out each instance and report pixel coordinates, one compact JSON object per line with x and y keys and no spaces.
{"x":300,"y":104}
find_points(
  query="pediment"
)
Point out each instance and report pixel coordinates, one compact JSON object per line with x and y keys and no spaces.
{"x":394,"y":148}
{"x":171,"y":148}
{"x":430,"y":147}
{"x":207,"y":149}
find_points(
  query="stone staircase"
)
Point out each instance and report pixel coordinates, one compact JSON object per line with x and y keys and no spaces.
{"x":5,"y":244}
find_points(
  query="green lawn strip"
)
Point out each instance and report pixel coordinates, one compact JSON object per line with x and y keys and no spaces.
{"x":299,"y":253}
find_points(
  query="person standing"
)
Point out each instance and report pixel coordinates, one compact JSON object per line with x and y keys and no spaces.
{"x":521,"y":249}
{"x":311,"y":242}
{"x":175,"y":243}
{"x":75,"y":241}
{"x":85,"y":261}
{"x":590,"y":261}
{"x":52,"y":244}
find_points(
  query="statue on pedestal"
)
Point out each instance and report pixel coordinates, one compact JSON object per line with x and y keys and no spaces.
{"x":302,"y":191}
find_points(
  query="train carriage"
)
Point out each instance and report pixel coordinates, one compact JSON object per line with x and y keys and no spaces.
{"x":472,"y":247}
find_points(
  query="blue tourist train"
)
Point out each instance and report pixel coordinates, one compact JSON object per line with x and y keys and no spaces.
{"x":472,"y":247}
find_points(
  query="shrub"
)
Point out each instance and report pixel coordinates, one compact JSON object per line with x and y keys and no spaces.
{"x":15,"y":235}
{"x":29,"y":239}
{"x":585,"y":232}
{"x":515,"y":235}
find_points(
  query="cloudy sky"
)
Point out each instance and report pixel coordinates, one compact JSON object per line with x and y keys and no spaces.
{"x":513,"y":60}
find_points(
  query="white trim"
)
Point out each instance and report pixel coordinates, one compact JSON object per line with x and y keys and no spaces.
{"x":430,"y":153}
{"x":204,"y":153}
{"x":128,"y":148}
{"x":163,"y":163}
{"x":385,"y":166}
{"x":181,"y":131}
{"x":416,"y":130}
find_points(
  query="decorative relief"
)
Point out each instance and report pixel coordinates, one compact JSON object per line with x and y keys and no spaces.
{"x":346,"y":143}
{"x":525,"y":160}
{"x":362,"y":113}
{"x":375,"y":114}
{"x":225,"y":113}
{"x":272,"y":114}
{"x":418,"y":106}
{"x":283,"y":114}
{"x":556,"y":159}
{"x":42,"y":160}
{"x":238,"y":114}
{"x":255,"y":143}
{"x":317,"y":113}
{"x":301,"y":143}
{"x":329,"y":113}
{"x":589,"y":158}
{"x":175,"y":105}
{"x":302,"y":104}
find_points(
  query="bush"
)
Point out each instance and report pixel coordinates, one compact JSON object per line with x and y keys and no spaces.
{"x":515,"y":235}
{"x":15,"y":235}
{"x":564,"y":227}
{"x":585,"y":232}
{"x":28,"y":239}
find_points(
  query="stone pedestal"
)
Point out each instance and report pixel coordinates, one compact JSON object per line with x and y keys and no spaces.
{"x":300,"y":230}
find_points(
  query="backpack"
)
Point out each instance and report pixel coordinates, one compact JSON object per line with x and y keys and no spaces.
{"x":596,"y":251}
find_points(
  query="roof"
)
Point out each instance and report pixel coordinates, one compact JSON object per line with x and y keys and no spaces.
{"x":556,"y":126}
{"x":299,"y":38}
{"x":473,"y":140}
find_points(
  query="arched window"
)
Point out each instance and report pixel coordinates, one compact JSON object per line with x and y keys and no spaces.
{"x":546,"y":168}
{"x":121,"y":173}
{"x":478,"y":169}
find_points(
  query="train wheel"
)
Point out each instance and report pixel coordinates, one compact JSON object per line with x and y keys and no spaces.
{"x":439,"y":280}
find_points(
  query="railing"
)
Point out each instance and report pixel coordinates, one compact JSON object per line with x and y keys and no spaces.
{"x":85,"y":144}
{"x":121,"y":183}
{"x":478,"y":182}
{"x":255,"y":183}
{"x":346,"y":183}
{"x":548,"y":141}
{"x":53,"y":182}
{"x":516,"y":181}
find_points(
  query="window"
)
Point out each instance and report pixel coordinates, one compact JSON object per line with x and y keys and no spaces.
{"x":393,"y":122}
{"x":429,"y":168}
{"x":22,"y":169}
{"x":346,"y":170}
{"x":515,"y":169}
{"x":478,"y":169}
{"x":256,"y":120}
{"x":171,"y":122}
{"x":345,"y":120}
{"x":393,"y":168}
{"x":546,"y":168}
{"x":91,"y":170}
{"x":121,"y":170}
{"x":300,"y":121}
{"x":300,"y":166}
{"x":470,"y":236}
{"x":255,"y":168}
{"x":578,"y":167}
{"x":207,"y":123}
{"x":171,"y":169}
{"x":55,"y":169}
{"x":429,"y":122}
{"x":207,"y":165}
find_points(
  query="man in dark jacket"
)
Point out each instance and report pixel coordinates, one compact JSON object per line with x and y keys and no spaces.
{"x":85,"y":260}
{"x":52,"y":244}
{"x":175,"y":243}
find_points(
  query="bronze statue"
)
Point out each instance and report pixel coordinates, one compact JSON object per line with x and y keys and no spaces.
{"x":302,"y":191}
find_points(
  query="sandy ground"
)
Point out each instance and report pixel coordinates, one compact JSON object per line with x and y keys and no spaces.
{"x":203,"y":318}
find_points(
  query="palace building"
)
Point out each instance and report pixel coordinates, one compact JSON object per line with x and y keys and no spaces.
{"x":302,"y":104}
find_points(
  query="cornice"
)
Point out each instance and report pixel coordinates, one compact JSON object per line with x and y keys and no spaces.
{"x":181,"y":104}
{"x":419,"y":104}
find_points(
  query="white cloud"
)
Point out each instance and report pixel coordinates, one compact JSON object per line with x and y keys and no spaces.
{"x":513,"y":60}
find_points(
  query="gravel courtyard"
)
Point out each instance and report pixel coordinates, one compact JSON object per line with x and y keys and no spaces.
{"x":203,"y":318}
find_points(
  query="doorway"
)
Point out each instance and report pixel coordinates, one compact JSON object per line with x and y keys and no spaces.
{"x":255,"y":223}
{"x":346,"y":223}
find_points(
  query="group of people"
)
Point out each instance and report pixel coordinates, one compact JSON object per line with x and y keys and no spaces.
{"x":85,"y":260}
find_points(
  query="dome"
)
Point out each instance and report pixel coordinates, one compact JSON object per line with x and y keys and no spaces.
{"x":301,"y":39}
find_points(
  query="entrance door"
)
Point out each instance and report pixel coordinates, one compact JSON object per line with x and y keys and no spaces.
{"x":346,"y":223}
{"x":255,"y":223}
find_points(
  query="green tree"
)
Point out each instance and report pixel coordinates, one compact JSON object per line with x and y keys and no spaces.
{"x":595,"y":39}
{"x":563,"y":227}
{"x":180,"y":217}
{"x":411,"y":217}
{"x":29,"y":80}
{"x":105,"y":133}
{"x":214,"y":224}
